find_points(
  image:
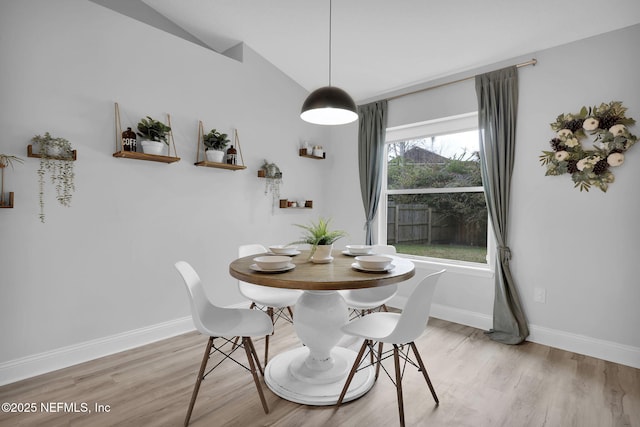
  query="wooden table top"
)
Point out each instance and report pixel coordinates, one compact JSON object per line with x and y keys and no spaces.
{"x":335,"y":275}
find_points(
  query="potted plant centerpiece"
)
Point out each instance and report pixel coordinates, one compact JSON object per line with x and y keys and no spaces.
{"x":215,"y":143}
{"x":154,"y":134}
{"x":56,"y":159}
{"x":321,"y":240}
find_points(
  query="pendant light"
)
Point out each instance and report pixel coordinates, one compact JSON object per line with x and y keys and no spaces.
{"x":329,"y":105}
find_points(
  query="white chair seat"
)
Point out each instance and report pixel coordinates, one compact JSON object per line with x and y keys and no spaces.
{"x":366,"y":299}
{"x":234,"y":322}
{"x":269,"y":297}
{"x":374,"y":326}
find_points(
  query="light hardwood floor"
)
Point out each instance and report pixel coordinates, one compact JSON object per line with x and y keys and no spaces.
{"x":479,"y":383}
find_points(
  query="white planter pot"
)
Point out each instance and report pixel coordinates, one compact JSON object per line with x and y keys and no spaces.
{"x":322,"y":255}
{"x":153,"y":147}
{"x":214,"y":155}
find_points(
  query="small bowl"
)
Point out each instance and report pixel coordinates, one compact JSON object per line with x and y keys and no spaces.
{"x":283,"y":249}
{"x":374,"y":262}
{"x":359,"y":249}
{"x":274,"y":262}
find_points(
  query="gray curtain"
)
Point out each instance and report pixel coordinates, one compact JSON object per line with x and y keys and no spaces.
{"x":371,"y":133}
{"x":497,"y":93}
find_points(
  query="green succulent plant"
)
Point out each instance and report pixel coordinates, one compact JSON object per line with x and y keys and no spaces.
{"x":153,"y":130}
{"x":215,"y":140}
{"x":319,"y":234}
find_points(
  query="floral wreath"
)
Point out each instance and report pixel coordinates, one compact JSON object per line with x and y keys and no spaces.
{"x":590,"y":166}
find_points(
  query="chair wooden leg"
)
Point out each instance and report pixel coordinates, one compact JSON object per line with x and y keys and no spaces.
{"x":396,"y":359}
{"x":196,"y":387}
{"x":380,"y":345}
{"x":290,"y":312}
{"x":254,"y":353}
{"x":424,"y":372}
{"x":353,"y":372}
{"x":247,"y":348}
{"x":266,"y":338}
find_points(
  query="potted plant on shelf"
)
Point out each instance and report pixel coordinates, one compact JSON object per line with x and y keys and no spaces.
{"x":321,"y":240}
{"x":56,"y":159}
{"x":215,"y":143}
{"x":6,"y":160}
{"x":154,"y":134}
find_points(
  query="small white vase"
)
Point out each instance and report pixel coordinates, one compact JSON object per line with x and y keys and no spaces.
{"x":322,"y":255}
{"x":153,"y":147}
{"x":214,"y":155}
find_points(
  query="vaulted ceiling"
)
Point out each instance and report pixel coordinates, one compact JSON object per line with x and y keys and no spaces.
{"x":380,"y":46}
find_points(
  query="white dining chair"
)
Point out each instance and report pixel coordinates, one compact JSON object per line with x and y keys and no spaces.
{"x":399,"y":330}
{"x":274,"y":301}
{"x":363,"y":301}
{"x":223,"y":325}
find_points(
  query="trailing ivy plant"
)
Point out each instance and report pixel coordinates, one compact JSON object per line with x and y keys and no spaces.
{"x":56,"y":160}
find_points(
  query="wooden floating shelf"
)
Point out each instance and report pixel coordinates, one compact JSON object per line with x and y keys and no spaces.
{"x":144,"y":156}
{"x":30,"y":153}
{"x":303,"y":153}
{"x":8,"y":204}
{"x":220,"y":165}
{"x":284,"y":204}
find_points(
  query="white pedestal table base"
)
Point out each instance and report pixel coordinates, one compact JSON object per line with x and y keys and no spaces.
{"x":286,"y":377}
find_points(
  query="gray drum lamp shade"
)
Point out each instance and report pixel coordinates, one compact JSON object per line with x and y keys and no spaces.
{"x":329,"y":105}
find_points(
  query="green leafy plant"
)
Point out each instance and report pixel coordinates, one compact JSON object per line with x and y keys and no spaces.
{"x":153,"y":130}
{"x":56,"y":159}
{"x":319,"y":234}
{"x":6,"y":160}
{"x":215,"y":140}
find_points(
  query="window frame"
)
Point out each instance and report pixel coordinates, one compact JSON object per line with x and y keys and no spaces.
{"x":441,"y":126}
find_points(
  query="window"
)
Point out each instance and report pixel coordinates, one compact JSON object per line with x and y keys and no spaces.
{"x":432,"y":202}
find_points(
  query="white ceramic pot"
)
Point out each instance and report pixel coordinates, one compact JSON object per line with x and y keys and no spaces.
{"x":153,"y":147}
{"x":214,"y":155}
{"x":322,"y":255}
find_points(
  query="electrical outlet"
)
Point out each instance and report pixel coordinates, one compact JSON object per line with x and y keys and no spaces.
{"x":540,"y":295}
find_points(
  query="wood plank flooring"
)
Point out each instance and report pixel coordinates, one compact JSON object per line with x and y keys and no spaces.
{"x":479,"y":383}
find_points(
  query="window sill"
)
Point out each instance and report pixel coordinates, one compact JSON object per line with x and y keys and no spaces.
{"x":459,"y":267}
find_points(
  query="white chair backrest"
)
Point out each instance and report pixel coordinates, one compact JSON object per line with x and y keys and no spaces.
{"x":201,"y":307}
{"x":384,"y":249}
{"x":252,"y":249}
{"x":415,"y":314}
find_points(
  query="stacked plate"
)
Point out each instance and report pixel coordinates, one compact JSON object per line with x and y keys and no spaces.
{"x":272,"y":264}
{"x":290,"y":250}
{"x":373,"y":263}
{"x":355,"y":250}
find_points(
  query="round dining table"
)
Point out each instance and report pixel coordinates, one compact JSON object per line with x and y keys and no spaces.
{"x":315,"y":373}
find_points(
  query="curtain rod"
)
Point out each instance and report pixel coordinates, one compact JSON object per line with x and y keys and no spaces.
{"x":522,"y":64}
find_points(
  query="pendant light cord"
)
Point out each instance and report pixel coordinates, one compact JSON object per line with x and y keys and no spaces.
{"x":330,"y":42}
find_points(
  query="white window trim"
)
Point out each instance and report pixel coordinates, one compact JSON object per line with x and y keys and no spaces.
{"x":459,"y":123}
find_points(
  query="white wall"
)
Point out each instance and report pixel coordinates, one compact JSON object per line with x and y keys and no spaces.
{"x":104,"y":266}
{"x":580,"y":247}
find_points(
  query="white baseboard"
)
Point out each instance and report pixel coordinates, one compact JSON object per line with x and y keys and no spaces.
{"x":49,"y":361}
{"x":30,"y":366}
{"x":581,"y":344}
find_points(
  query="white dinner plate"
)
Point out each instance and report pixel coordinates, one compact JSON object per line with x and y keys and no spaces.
{"x":388,"y":268}
{"x":291,"y":253}
{"x":256,"y":267}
